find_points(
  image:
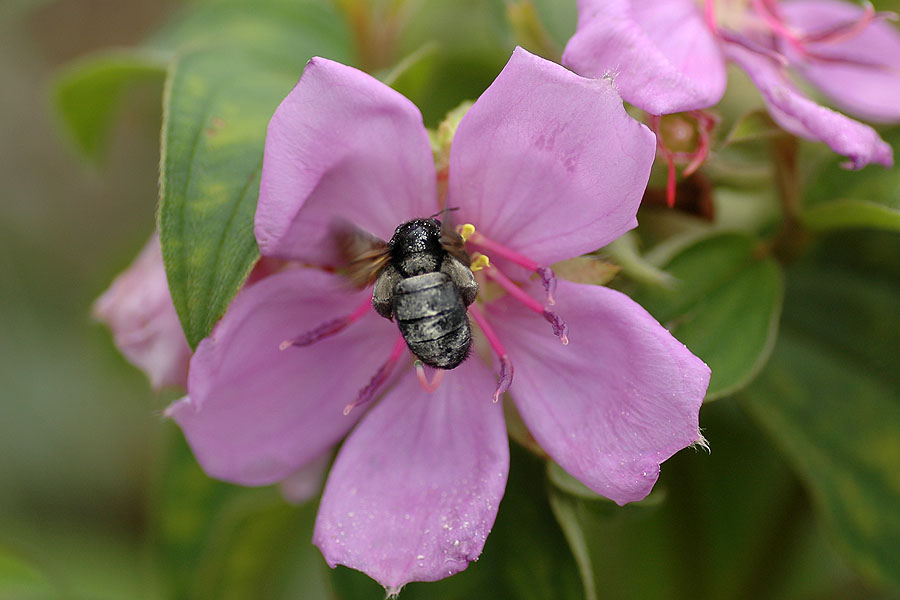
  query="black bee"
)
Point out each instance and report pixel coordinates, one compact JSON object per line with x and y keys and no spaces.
{"x":422,"y":278}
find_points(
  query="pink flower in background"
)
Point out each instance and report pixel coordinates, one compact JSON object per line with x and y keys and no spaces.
{"x":669,"y":56}
{"x":547,"y":166}
{"x":138,"y":309}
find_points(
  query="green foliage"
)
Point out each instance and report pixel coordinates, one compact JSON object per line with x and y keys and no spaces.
{"x":723,"y":292}
{"x":87,"y":93}
{"x":22,"y":580}
{"x":829,"y":399}
{"x":219,"y":541}
{"x":836,"y":199}
{"x":217,"y":104}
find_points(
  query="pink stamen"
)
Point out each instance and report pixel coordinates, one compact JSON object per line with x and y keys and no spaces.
{"x":506,"y":367}
{"x":381,"y":375}
{"x":428,"y":386}
{"x":560,"y":329}
{"x":846,"y":31}
{"x":741,"y":40}
{"x":328,"y":328}
{"x":671,"y":183}
{"x":548,"y":277}
{"x":710,"y":14}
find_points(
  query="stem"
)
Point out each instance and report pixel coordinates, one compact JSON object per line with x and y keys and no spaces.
{"x":792,"y":238}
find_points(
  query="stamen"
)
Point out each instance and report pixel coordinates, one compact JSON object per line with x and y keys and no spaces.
{"x":381,"y":375}
{"x":849,"y":30}
{"x":560,"y":329}
{"x":466,"y":231}
{"x":671,"y":180}
{"x":428,"y":386}
{"x":479,"y":262}
{"x":548,"y":278}
{"x":741,"y":40}
{"x":506,"y":367}
{"x":328,"y":328}
{"x":710,"y":14}
{"x":769,"y":14}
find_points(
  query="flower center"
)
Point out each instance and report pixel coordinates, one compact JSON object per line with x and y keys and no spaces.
{"x":760,"y":26}
{"x":481,"y":264}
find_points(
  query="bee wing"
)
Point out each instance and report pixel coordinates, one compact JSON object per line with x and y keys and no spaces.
{"x":364,"y":255}
{"x":452,"y":242}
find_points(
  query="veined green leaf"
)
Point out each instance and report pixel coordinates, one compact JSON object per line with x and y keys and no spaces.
{"x":725,"y":306}
{"x":217,"y":106}
{"x":830,"y":400}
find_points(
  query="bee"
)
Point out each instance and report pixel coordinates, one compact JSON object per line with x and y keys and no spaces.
{"x":423,"y":280}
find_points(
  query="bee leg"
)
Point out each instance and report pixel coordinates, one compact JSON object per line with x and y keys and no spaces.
{"x":463,"y":278}
{"x":383,"y":294}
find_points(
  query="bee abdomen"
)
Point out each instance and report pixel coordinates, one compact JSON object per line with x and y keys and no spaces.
{"x":432,"y":318}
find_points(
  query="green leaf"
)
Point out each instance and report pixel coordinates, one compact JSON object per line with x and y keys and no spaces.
{"x":22,"y":580}
{"x":88,"y":91}
{"x":752,"y":126}
{"x":282,"y":33}
{"x":830,"y":400}
{"x":839,"y":427}
{"x":725,"y":307}
{"x":217,"y":106}
{"x":836,"y":198}
{"x":221,"y":541}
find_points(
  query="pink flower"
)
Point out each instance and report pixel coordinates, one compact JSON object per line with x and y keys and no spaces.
{"x":547,"y":166}
{"x":669,"y":56}
{"x":138,"y":310}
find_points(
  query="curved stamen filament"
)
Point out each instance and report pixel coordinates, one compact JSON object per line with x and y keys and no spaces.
{"x":328,"y":328}
{"x":709,"y":12}
{"x":428,"y":386}
{"x":754,"y":47}
{"x":848,"y":30}
{"x":506,"y":367}
{"x":769,"y":14}
{"x":381,"y":375}
{"x":560,"y":329}
{"x":548,"y":277}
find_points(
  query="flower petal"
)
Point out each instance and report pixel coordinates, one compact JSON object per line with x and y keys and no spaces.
{"x":305,"y":482}
{"x":138,"y":309}
{"x":613,"y":404}
{"x":415,"y":488}
{"x":549,"y":163}
{"x":801,"y":116}
{"x":861,"y":74}
{"x":341,"y":145}
{"x":255,"y":414}
{"x":662,"y":55}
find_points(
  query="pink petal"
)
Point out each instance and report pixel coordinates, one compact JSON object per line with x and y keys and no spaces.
{"x":799,"y":115}
{"x":305,"y":482}
{"x":255,"y":413}
{"x":138,"y":309}
{"x":415,"y":488}
{"x":549,"y":163}
{"x":662,"y":55}
{"x":342,"y":144}
{"x":613,"y":404}
{"x":870,"y":88}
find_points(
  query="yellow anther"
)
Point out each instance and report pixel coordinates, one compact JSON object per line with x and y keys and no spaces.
{"x":466,"y":231}
{"x":479,"y":261}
